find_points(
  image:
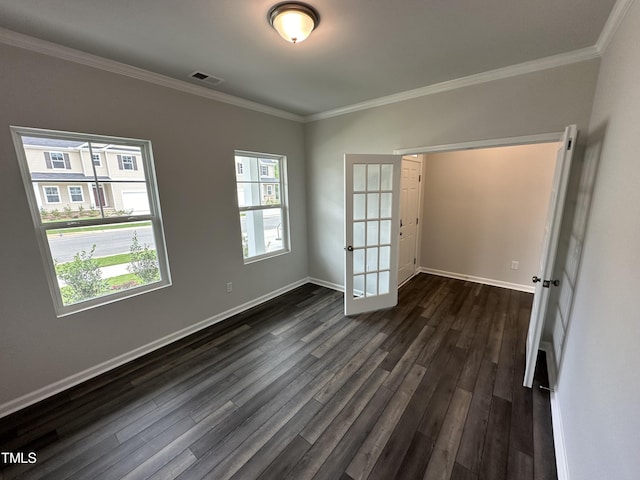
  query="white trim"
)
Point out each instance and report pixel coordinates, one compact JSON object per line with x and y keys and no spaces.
{"x":575,"y":56}
{"x":146,"y":157}
{"x":323,"y":283}
{"x":476,"y":144}
{"x":66,"y":383}
{"x":616,"y":16}
{"x":416,"y":254}
{"x":64,"y":164}
{"x":71,"y":200}
{"x":560,"y":446}
{"x":472,"y":278}
{"x":46,"y":195}
{"x":19,"y":40}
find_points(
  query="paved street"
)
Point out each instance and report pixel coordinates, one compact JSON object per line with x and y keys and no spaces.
{"x":108,"y":242}
{"x":111,"y":242}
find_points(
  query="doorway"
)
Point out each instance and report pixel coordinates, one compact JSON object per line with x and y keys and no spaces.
{"x":410,"y":196}
{"x":547,"y":245}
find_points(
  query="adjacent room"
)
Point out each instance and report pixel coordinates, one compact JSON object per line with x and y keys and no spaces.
{"x":397,"y":242}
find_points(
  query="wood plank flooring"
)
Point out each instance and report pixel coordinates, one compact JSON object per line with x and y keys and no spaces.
{"x":293,"y":389}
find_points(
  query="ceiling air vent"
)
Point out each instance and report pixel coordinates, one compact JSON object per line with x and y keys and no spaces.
{"x":206,"y":78}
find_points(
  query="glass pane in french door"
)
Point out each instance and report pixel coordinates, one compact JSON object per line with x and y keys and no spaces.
{"x":372,"y":201}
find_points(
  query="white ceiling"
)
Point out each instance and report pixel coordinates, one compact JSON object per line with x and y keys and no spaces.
{"x":362,"y":49}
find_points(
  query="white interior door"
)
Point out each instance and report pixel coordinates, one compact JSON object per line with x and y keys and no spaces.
{"x":544,"y":280}
{"x":409,"y":207}
{"x":372,"y":194}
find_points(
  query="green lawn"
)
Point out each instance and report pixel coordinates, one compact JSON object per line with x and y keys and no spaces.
{"x":113,"y":259}
{"x":97,"y":228}
{"x":119,"y":259}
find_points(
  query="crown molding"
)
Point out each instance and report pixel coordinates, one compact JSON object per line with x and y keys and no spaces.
{"x":588,"y":53}
{"x":37,"y":45}
{"x":616,"y":16}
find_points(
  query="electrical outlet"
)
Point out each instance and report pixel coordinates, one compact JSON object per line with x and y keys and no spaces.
{"x":514,"y":265}
{"x":229,"y":287}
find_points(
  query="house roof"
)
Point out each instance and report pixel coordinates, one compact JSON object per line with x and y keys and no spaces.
{"x":65,"y":177}
{"x":362,"y":49}
{"x":50,"y":142}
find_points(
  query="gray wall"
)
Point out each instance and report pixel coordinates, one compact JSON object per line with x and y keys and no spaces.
{"x":535,"y":103}
{"x":483,"y":209}
{"x":193,"y":143}
{"x":598,"y":392}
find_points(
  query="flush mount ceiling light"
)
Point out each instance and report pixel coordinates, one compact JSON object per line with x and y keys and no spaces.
{"x":294,"y":21}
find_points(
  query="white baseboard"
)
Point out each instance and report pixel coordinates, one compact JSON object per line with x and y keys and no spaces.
{"x":471,"y":278}
{"x":556,"y":417}
{"x":73,"y":380}
{"x":323,"y":283}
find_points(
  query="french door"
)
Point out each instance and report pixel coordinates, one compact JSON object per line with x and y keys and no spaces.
{"x":544,"y":280}
{"x":372,"y":206}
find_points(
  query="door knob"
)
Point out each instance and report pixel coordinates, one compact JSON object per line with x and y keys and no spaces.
{"x":536,"y":279}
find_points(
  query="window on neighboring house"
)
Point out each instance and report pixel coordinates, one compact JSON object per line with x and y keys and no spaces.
{"x":75,"y":194}
{"x":239,"y":168}
{"x":52,"y":194}
{"x":264,"y":171}
{"x":96,"y":159}
{"x":57,"y":160}
{"x":127,"y":162}
{"x":136,"y":255}
{"x":263,"y":215}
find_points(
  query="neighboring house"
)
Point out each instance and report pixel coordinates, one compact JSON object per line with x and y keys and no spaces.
{"x":267,"y":177}
{"x":67,"y":175}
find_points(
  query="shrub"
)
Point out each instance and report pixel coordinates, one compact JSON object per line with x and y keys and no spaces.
{"x":82,"y":276}
{"x":144,"y":261}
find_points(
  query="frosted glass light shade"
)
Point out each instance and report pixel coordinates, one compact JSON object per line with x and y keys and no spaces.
{"x":294,"y":22}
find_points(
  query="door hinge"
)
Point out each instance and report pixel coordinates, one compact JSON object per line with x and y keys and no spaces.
{"x":414,"y":261}
{"x":569,"y":144}
{"x":416,"y":221}
{"x":419,"y":178}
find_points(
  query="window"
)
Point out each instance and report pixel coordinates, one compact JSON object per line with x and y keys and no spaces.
{"x":107,"y":262}
{"x":239,"y":169}
{"x":57,"y":160}
{"x":75,"y":194}
{"x":96,"y":159}
{"x":127,"y":162}
{"x":263,"y":207}
{"x":52,"y":194}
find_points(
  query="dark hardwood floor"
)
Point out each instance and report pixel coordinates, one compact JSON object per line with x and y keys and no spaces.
{"x":294,"y":389}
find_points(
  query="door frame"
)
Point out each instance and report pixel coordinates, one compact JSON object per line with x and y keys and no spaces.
{"x":490,"y":143}
{"x":420,"y":159}
{"x":477,"y":144}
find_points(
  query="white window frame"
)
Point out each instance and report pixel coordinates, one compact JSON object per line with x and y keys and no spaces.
{"x":53,"y":165}
{"x":97,"y":156}
{"x":41,"y":228}
{"x":283,"y":205}
{"x":69,"y":187}
{"x":127,"y":162}
{"x":46,"y":195}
